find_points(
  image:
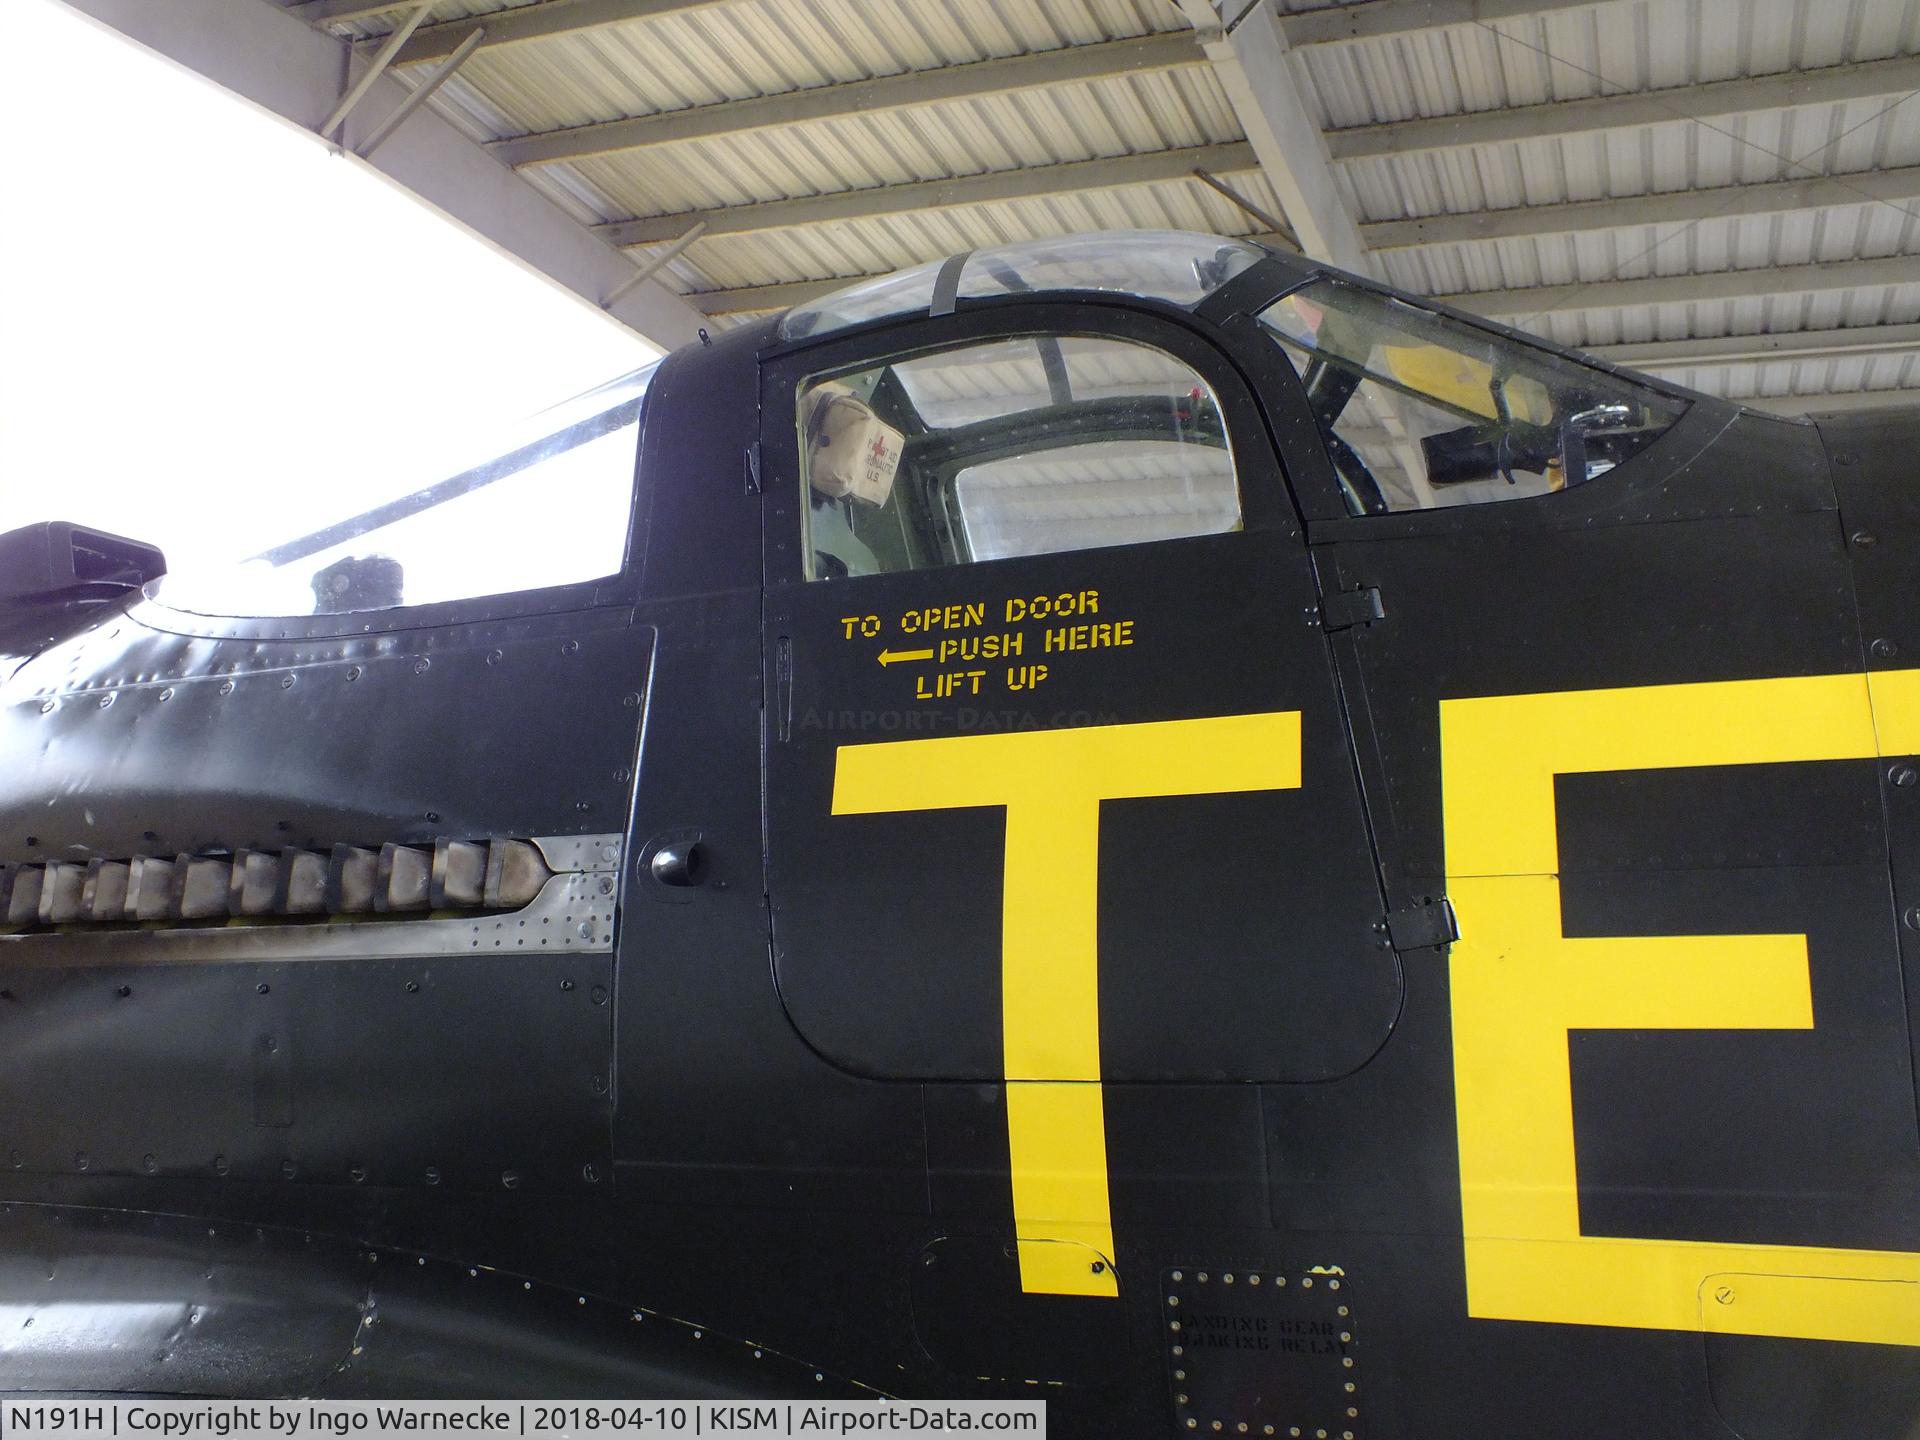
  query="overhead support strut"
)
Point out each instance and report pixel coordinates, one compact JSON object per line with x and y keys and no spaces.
{"x":655,"y":264}
{"x":358,"y":90}
{"x":1279,"y":233}
{"x":422,"y":93}
{"x":1250,"y":60}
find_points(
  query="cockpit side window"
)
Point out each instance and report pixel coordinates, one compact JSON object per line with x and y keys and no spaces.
{"x":1420,"y":411}
{"x":1025,"y":446}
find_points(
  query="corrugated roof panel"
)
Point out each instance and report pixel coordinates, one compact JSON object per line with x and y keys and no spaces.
{"x":563,"y":185}
{"x":1792,"y":144}
{"x":733,"y":49}
{"x":1865,"y":230}
{"x":1607,"y":49}
{"x":1012,"y":131}
{"x":719,"y":52}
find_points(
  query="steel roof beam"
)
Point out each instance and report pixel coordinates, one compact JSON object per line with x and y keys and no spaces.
{"x":1331,"y":25}
{"x":1847,"y":343}
{"x":546,"y":18}
{"x":1250,"y":61}
{"x":534,"y":21}
{"x":1141,"y":54}
{"x":1850,"y":402}
{"x":1560,"y":118}
{"x":1674,"y":207}
{"x":1378,"y":19}
{"x":1690,"y":289}
{"x":1036,"y":182}
{"x":269,"y":58}
{"x":333,"y":12}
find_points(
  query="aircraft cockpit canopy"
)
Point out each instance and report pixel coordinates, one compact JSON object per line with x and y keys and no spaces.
{"x":1420,"y":410}
{"x":1070,"y":436}
{"x":960,"y":432}
{"x":1170,"y":265}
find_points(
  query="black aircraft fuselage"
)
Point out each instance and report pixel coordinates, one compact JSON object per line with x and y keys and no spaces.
{"x":1332,"y":962}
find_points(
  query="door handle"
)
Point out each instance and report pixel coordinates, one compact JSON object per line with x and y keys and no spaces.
{"x":676,"y":863}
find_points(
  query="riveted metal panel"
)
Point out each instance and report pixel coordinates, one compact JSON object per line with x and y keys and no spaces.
{"x":133,"y":740}
{"x":468,"y":1072}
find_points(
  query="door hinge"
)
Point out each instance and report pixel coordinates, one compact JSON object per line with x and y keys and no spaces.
{"x":783,"y":688}
{"x":753,"y":468}
{"x":1346,"y":608}
{"x":1425,"y":926}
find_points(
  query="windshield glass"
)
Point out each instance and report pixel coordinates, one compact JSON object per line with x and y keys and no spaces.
{"x":546,"y":502}
{"x":1171,"y":265}
{"x":1420,"y":410}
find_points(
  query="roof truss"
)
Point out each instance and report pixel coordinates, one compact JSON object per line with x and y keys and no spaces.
{"x":1142,"y":54}
{"x":268,"y":57}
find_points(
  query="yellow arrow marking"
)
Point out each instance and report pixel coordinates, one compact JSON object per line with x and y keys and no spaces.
{"x":894,"y":657}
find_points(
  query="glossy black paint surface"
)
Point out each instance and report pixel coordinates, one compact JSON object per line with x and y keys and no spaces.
{"x":773,"y":1110}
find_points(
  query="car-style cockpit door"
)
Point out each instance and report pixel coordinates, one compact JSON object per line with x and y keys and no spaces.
{"x":1058,"y":788}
